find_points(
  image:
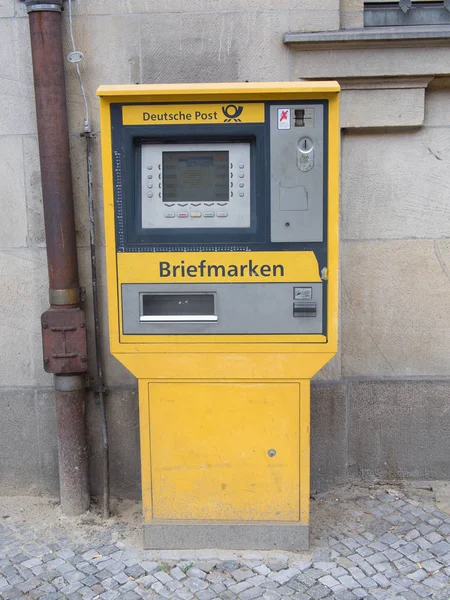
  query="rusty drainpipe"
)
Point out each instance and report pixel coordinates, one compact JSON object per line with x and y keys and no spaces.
{"x":63,"y":325}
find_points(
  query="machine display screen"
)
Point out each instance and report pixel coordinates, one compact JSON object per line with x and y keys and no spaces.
{"x":195,"y":176}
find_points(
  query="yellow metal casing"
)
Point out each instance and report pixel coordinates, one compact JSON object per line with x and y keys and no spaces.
{"x":212,"y":406}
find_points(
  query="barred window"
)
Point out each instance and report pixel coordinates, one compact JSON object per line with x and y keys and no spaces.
{"x":386,"y":13}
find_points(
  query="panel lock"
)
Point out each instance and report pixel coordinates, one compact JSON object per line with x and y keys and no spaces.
{"x":305,"y":309}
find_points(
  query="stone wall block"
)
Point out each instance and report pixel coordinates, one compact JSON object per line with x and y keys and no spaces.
{"x":17,"y":105}
{"x":33,"y":192}
{"x":396,"y":298}
{"x":352,"y":14}
{"x":7,"y":8}
{"x":396,"y":185}
{"x":108,"y":7}
{"x":25,"y":296}
{"x":362,"y":108}
{"x":369,"y":62}
{"x":328,"y":435}
{"x":437,"y":102}
{"x":78,"y":157}
{"x":189,"y":47}
{"x":13,"y":224}
{"x":111,"y":55}
{"x":223,"y":46}
{"x":124,"y":451}
{"x":19,"y":447}
{"x":48,"y":441}
{"x":399,"y":429}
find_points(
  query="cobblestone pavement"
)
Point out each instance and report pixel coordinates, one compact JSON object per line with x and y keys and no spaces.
{"x":370,"y":543}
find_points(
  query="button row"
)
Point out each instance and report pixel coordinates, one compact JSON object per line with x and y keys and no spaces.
{"x":195,"y":215}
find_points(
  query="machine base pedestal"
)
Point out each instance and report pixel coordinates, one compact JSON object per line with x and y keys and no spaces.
{"x":230,"y":536}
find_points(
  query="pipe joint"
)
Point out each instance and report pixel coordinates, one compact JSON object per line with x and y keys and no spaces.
{"x":65,"y":296}
{"x":44,"y":5}
{"x":69,"y":383}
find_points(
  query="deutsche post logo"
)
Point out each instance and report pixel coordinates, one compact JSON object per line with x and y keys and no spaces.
{"x":232,"y":113}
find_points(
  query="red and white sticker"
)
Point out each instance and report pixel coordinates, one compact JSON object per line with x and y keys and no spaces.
{"x":284,"y":118}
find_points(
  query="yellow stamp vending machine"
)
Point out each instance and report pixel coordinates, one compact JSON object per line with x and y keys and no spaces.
{"x":221,"y":218}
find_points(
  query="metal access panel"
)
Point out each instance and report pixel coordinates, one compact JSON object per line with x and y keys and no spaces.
{"x":297,"y":172}
{"x":236,"y":444}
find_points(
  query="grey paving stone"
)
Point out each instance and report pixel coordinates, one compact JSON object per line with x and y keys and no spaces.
{"x":434,"y":583}
{"x":440,"y":548}
{"x":237,"y":588}
{"x":301,"y":565}
{"x":184,"y":594}
{"x":423,"y":591}
{"x":32,"y":562}
{"x":276,"y":566}
{"x":149,"y":566}
{"x":410,"y":595}
{"x":110,"y":595}
{"x":194,"y":572}
{"x":318,"y":591}
{"x":206,"y":565}
{"x":285,"y":590}
{"x":262,"y":570}
{"x":431,"y":565}
{"x":177,"y":573}
{"x":227,"y":595}
{"x":251,"y":594}
{"x":218,"y":587}
{"x":329,"y":581}
{"x":272,"y":595}
{"x":11,"y":592}
{"x":163,"y":577}
{"x":349,"y":582}
{"x":228,"y":565}
{"x":241,"y":574}
{"x":195,"y":584}
{"x":174,"y":585}
{"x":256,"y":580}
{"x":364,"y":551}
{"x":207,"y":594}
{"x":162,"y":590}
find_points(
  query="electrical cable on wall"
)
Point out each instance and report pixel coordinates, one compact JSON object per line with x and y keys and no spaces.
{"x":75,"y":57}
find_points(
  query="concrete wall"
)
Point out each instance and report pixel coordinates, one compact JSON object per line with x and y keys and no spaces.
{"x":380,"y":409}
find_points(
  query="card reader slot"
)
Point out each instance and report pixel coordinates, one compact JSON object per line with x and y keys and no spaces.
{"x":172,"y":308}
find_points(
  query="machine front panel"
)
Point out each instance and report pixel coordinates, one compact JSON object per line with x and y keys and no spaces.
{"x":259,"y":308}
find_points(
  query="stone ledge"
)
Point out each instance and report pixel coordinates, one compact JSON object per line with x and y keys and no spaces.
{"x":383,"y":102}
{"x":371,"y":37}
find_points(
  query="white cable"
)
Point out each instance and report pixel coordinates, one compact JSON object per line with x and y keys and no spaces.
{"x":87,"y":121}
